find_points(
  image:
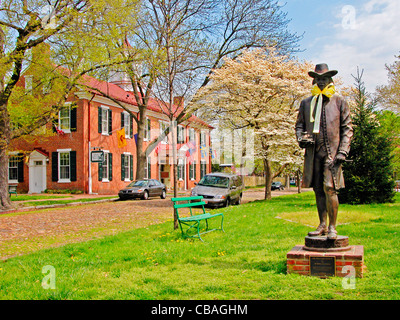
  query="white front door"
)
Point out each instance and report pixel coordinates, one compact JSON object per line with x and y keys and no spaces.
{"x":37,"y":172}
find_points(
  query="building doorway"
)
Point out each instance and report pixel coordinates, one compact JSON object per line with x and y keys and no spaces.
{"x":37,"y":172}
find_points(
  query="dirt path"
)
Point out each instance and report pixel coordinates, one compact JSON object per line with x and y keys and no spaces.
{"x":33,"y":230}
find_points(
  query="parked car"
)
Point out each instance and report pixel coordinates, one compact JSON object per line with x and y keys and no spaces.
{"x":143,"y":189}
{"x":277,"y":186}
{"x":220,"y":189}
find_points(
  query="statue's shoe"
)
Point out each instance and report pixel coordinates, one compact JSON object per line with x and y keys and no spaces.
{"x":332,"y":233}
{"x":320,"y":231}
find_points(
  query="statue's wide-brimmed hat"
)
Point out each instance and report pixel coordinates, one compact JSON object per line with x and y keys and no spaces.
{"x":322,"y":70}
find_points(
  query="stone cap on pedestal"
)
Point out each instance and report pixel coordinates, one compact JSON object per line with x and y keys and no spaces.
{"x":323,"y":244}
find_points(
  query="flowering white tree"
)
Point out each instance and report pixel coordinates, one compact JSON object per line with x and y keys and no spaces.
{"x":261,"y":89}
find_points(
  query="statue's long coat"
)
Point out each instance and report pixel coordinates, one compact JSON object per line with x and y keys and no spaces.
{"x":336,"y":122}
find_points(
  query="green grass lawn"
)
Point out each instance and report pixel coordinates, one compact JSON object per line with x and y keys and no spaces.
{"x":248,"y":261}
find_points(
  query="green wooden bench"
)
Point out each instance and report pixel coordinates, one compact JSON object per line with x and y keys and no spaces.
{"x":193,"y":221}
{"x":12,"y":188}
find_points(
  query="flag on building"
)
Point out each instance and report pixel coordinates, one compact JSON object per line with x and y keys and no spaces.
{"x":121,"y":138}
{"x":203,"y":150}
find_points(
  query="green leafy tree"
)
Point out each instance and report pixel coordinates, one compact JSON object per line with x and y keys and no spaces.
{"x":390,"y":126}
{"x":369,"y":175}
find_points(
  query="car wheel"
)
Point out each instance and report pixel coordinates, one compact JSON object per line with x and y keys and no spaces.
{"x":163,"y":194}
{"x":145,"y":195}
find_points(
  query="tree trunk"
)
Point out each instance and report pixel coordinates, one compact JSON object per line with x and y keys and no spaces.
{"x":174,"y":164}
{"x":140,"y":153}
{"x":268,"y":180}
{"x":5,"y":202}
{"x":5,"y":133}
{"x":298,"y":182}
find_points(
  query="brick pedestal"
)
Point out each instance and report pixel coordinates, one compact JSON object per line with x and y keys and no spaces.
{"x":298,"y":260}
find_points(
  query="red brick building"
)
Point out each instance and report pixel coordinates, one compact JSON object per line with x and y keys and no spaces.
{"x":89,"y":122}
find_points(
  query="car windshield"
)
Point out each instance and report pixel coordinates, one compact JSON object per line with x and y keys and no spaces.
{"x":214,"y":181}
{"x":138,"y":183}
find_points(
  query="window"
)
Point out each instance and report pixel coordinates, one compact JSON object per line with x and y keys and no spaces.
{"x":126,"y":122}
{"x":180,"y":169}
{"x":147,"y":168}
{"x":105,"y":167}
{"x":13,"y":168}
{"x":192,"y":135}
{"x":163,"y":127}
{"x":147,"y":130}
{"x":126,"y":167}
{"x":203,"y":145}
{"x":64,"y":119}
{"x":203,"y":139}
{"x":64,"y":167}
{"x":203,"y":168}
{"x":28,"y":83}
{"x":105,"y":120}
{"x":192,"y":171}
{"x":181,"y":134}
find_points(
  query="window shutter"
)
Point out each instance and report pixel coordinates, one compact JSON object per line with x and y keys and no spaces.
{"x":72,"y":157}
{"x":110,"y":166}
{"x":54,"y":166}
{"x":130,"y":126}
{"x":20,"y":167}
{"x":122,"y":167}
{"x":109,"y":122}
{"x":131,"y":167}
{"x":73,"y":118}
{"x":100,"y":170}
{"x":122,"y":120}
{"x":99,"y":117}
{"x":149,"y":167}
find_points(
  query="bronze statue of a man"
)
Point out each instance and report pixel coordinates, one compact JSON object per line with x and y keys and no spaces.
{"x":324,"y":129}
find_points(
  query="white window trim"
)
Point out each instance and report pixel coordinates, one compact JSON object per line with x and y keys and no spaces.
{"x":127,"y":115}
{"x":59,"y":167}
{"x":147,"y":131}
{"x":194,"y":168}
{"x":194,"y":134}
{"x":204,"y":134}
{"x":11,"y":154}
{"x":181,"y":128}
{"x":161,"y":124}
{"x":127,"y":179}
{"x":67,"y":104}
{"x":106,"y":152}
{"x":28,"y":83}
{"x":102,"y":120}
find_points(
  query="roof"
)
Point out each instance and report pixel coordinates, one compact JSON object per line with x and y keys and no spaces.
{"x":112,"y":90}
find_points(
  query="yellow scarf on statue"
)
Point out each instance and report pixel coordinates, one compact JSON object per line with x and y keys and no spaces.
{"x":328,"y":91}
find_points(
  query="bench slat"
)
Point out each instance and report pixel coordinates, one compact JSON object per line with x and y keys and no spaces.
{"x":187,"y":198}
{"x":200,"y":217}
{"x":187,"y":205}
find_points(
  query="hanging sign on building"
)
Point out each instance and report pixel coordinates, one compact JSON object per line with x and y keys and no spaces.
{"x":97,"y":156}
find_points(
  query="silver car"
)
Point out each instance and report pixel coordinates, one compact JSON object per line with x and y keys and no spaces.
{"x":143,"y":189}
{"x":220,"y":189}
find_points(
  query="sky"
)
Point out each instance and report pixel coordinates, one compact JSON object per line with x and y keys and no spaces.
{"x":347,"y":35}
